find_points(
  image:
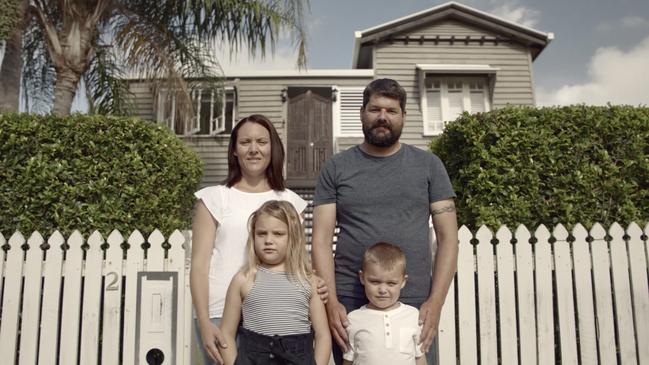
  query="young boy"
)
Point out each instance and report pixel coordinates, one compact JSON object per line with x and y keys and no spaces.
{"x":385,"y":331}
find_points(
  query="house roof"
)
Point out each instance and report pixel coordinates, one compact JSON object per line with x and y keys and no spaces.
{"x":364,"y":39}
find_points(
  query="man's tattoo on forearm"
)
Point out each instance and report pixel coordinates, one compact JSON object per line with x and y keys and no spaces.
{"x":446,"y":209}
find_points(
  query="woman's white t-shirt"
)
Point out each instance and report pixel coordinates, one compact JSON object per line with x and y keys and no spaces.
{"x":231,"y":208}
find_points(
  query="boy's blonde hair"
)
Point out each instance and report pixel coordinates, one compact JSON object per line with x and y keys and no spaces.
{"x":296,"y":261}
{"x":386,"y":255}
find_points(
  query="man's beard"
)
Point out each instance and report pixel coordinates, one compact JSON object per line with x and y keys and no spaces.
{"x":386,"y":139}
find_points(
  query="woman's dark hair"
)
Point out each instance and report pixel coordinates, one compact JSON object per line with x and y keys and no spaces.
{"x":275,"y":169}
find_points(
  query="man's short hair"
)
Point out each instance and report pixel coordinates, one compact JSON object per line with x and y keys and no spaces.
{"x":386,"y":255}
{"x":388,"y":88}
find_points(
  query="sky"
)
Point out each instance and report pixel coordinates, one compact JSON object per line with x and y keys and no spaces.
{"x":600,"y":52}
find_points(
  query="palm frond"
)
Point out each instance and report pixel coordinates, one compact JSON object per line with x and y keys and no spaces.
{"x":106,"y":86}
{"x":169,"y":42}
{"x":157,"y":53}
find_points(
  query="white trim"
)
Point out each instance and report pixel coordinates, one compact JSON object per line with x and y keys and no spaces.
{"x":343,"y":73}
{"x":333,"y":73}
{"x":217,"y":125}
{"x":335,"y":114}
{"x":338,"y":115}
{"x":444,"y":99}
{"x":195,"y":121}
{"x":457,"y":68}
{"x":358,"y":36}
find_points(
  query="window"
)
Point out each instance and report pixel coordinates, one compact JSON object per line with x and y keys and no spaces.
{"x":214,"y":112}
{"x":350,"y":101}
{"x":445,"y":98}
{"x":447,"y":90}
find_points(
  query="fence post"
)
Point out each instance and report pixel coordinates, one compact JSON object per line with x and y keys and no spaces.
{"x":584,"y":296}
{"x":31,"y":300}
{"x":11,"y":298}
{"x":544,"y":297}
{"x":112,"y":299}
{"x":466,"y":296}
{"x":52,"y":277}
{"x":604,"y":305}
{"x":638,"y":261}
{"x":506,"y":298}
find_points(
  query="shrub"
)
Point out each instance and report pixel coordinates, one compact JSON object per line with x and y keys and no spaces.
{"x":9,"y":17}
{"x":93,"y":172}
{"x":577,"y":164}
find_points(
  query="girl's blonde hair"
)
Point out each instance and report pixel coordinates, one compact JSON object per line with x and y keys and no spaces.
{"x":296,"y":261}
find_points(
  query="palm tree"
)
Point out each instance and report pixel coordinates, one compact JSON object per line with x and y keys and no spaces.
{"x":100,"y":41}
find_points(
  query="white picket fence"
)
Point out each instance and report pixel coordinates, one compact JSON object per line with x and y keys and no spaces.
{"x":564,"y":302}
{"x":581,"y":301}
{"x":65,"y":307}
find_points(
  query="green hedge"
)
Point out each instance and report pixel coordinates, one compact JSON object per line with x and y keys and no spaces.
{"x":9,"y":17}
{"x":531,"y":166}
{"x":93,"y":172}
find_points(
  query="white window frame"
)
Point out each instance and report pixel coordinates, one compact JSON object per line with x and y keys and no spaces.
{"x":347,"y":111}
{"x":443,"y":72}
{"x":216,"y":125}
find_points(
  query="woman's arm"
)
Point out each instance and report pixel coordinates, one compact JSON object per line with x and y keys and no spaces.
{"x":203,"y":234}
{"x":231,"y":317}
{"x":320,"y":325}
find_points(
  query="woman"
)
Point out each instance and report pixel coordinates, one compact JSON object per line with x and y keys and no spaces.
{"x":255,"y":175}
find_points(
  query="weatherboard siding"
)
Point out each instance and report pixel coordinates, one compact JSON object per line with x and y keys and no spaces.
{"x":258,"y":95}
{"x":398,"y":60}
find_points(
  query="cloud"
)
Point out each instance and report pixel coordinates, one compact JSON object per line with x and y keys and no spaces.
{"x":516,"y":13}
{"x":616,"y":76}
{"x":635,"y":22}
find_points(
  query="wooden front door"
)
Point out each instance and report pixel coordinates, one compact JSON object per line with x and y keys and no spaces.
{"x":309,"y":135}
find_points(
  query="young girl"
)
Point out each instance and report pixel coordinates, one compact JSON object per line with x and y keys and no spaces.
{"x":275,"y":294}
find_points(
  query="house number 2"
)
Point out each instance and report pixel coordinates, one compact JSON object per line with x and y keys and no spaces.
{"x":112,"y":285}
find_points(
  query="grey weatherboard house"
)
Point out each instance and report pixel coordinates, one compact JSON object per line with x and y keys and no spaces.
{"x":450,"y":58}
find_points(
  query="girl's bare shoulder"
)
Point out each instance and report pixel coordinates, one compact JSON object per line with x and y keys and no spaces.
{"x":243,"y":280}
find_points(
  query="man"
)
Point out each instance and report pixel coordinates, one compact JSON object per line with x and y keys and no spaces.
{"x":384,"y":190}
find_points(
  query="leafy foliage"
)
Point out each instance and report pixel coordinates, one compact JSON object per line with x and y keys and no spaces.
{"x":93,"y":172}
{"x":531,"y":166}
{"x":9,"y":17}
{"x":162,"y":41}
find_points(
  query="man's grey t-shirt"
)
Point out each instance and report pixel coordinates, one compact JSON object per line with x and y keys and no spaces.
{"x":383,"y":199}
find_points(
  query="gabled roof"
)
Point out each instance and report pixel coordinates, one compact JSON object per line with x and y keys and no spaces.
{"x":364,"y":39}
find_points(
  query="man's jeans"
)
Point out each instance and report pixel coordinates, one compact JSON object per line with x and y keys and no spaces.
{"x":351,"y":304}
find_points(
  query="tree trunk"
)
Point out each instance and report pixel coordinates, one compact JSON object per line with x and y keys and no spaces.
{"x":12,"y":66}
{"x":67,"y":82}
